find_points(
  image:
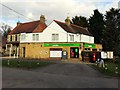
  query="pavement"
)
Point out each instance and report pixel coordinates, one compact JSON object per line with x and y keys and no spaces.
{"x":59,"y":75}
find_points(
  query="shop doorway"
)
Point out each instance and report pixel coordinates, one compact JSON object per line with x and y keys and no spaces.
{"x":74,"y":52}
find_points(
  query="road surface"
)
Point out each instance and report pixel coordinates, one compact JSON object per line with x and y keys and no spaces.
{"x":60,"y":75}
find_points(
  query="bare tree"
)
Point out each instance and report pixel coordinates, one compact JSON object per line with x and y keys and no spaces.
{"x":5,"y":29}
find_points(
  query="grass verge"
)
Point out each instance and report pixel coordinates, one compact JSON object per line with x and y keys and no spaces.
{"x":111,"y":69}
{"x":24,"y":64}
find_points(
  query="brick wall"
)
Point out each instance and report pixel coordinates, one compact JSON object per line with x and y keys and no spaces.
{"x":37,"y":50}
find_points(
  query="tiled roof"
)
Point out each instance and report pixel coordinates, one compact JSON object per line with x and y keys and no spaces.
{"x":29,"y":27}
{"x":73,"y":28}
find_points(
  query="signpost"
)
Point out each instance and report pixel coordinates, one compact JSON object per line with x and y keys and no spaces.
{"x":103,"y":55}
{"x":107,"y":55}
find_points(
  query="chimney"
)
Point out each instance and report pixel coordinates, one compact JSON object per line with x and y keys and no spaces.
{"x":42,"y":19}
{"x":18,"y":23}
{"x":67,"y":21}
{"x":86,"y":28}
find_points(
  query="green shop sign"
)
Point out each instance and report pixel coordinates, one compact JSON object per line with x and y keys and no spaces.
{"x":89,"y":45}
{"x":62,"y":44}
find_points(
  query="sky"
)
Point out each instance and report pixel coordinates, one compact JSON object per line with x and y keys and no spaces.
{"x":52,"y":9}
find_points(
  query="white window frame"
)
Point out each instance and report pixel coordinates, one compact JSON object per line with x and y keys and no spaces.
{"x":71,"y":37}
{"x":55,"y":37}
{"x":80,"y":37}
{"x":18,"y":37}
{"x":11,"y":38}
{"x":23,"y":37}
{"x":35,"y":37}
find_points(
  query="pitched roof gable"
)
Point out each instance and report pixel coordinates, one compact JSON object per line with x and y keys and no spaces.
{"x":29,"y":27}
{"x":73,"y":28}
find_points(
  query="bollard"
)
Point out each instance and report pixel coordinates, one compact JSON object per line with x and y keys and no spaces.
{"x":14,"y":55}
{"x":8,"y":63}
{"x":96,"y":63}
{"x":106,"y":67}
{"x":37,"y":63}
{"x":116,"y":70}
{"x":18,"y":63}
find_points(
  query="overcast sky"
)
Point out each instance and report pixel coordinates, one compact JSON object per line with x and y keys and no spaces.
{"x":52,"y":9}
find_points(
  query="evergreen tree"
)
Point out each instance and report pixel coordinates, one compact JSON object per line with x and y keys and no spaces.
{"x":80,"y":21}
{"x":111,"y":34}
{"x":117,"y":50}
{"x":96,"y":26}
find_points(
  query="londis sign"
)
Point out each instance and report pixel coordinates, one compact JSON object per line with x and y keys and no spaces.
{"x":62,"y":44}
{"x":89,"y":45}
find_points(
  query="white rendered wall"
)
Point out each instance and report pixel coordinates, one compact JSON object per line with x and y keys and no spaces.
{"x":91,"y":39}
{"x":84,"y":38}
{"x":87,"y":39}
{"x":54,"y":28}
{"x":46,"y":35}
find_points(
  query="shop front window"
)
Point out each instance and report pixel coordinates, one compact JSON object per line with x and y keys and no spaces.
{"x":74,"y":52}
{"x":87,"y":49}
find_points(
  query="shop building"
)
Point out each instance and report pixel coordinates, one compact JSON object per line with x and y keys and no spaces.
{"x":57,"y":40}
